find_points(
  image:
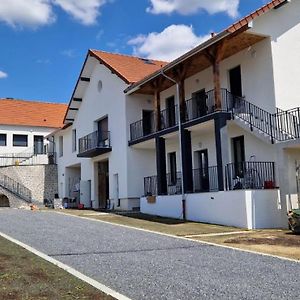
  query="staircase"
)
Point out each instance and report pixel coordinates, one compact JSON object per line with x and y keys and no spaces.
{"x":278,"y":127}
{"x":15,"y":188}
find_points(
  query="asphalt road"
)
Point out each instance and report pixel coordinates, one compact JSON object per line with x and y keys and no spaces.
{"x":144,"y":265}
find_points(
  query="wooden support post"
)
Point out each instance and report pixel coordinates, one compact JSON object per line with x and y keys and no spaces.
{"x":215,"y":56}
{"x":157,"y":116}
{"x":181,"y":97}
{"x":217,"y":85}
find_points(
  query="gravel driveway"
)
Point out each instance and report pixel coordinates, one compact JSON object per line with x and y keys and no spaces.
{"x":144,"y":265}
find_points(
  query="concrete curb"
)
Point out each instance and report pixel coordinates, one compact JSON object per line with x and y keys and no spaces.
{"x":90,"y":281}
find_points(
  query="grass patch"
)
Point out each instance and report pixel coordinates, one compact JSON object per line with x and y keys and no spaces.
{"x":154,"y":223}
{"x":26,"y":276}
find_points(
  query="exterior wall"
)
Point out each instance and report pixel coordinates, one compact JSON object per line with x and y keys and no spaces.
{"x":285,"y":46}
{"x":24,"y":130}
{"x":41,"y":180}
{"x":111,"y":102}
{"x":247,"y":209}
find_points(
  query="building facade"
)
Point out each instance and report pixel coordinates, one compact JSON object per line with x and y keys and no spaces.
{"x":212,"y":136}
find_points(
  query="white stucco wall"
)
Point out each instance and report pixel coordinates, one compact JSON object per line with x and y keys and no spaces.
{"x":247,"y":209}
{"x":283,"y":25}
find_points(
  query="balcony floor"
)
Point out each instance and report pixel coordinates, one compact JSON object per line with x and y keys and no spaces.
{"x":95,"y":152}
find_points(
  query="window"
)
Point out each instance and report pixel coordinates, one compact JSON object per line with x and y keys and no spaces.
{"x":61,"y":146}
{"x":74,"y":140}
{"x":2,"y":139}
{"x":20,"y":140}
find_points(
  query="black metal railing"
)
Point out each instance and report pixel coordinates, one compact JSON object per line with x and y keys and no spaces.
{"x":279,"y":126}
{"x":250,"y":175}
{"x":27,"y":159}
{"x":94,"y":140}
{"x":289,"y":122}
{"x":15,"y":187}
{"x":206,"y":180}
{"x":174,"y":183}
{"x":150,"y":186}
{"x":169,"y":117}
{"x":199,"y":107}
{"x":142,"y":127}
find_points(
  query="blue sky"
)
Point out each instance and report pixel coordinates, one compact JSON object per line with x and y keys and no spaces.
{"x":44,"y":42}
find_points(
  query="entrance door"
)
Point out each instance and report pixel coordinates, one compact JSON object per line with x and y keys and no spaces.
{"x":147,"y":122}
{"x":200,"y":108}
{"x":238,"y":145}
{"x":103,"y":184}
{"x":235,"y":78}
{"x":171,"y":117}
{"x":38,"y":144}
{"x":102,"y":132}
{"x":202,"y":173}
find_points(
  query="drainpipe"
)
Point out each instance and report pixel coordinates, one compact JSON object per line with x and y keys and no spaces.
{"x":180,"y":146}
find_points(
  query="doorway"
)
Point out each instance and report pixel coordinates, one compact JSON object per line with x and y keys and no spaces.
{"x":202,"y":172}
{"x":235,"y":80}
{"x":103,"y":184}
{"x":4,"y":201}
{"x":102,"y":132}
{"x":147,"y":122}
{"x":171,"y":113}
{"x":238,"y":147}
{"x":200,"y":107}
{"x":38,"y":145}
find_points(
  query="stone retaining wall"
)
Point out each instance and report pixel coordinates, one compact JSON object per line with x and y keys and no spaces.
{"x":41,"y":179}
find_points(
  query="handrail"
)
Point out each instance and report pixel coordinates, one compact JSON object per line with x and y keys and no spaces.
{"x":16,"y":188}
{"x":250,"y":175}
{"x":280,"y":126}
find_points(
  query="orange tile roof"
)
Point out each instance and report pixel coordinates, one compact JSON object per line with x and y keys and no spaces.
{"x":262,"y":10}
{"x":130,"y":68}
{"x":31,"y":113}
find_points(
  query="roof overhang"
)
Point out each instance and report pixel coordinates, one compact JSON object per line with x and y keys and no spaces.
{"x":235,"y":38}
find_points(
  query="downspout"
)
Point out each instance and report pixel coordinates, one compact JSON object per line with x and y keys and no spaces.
{"x":180,"y":145}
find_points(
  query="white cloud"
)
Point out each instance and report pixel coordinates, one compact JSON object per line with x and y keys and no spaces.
{"x":3,"y":75}
{"x":84,"y":11}
{"x":29,"y":13}
{"x":193,"y":6}
{"x":167,"y":45}
{"x":36,"y":13}
{"x":70,"y":53}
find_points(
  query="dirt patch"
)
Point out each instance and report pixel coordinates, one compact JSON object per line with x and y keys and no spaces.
{"x":38,"y":275}
{"x":276,"y":239}
{"x":288,"y":240}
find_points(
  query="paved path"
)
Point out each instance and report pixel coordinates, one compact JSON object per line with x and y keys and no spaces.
{"x":143,"y":265}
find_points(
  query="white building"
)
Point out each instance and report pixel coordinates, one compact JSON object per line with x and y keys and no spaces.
{"x":23,"y":128}
{"x":212,"y":136}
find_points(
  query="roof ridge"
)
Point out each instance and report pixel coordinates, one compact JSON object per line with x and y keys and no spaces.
{"x":33,"y":101}
{"x":127,"y":55}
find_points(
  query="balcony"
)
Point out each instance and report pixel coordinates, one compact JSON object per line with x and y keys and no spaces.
{"x":94,"y":144}
{"x":146,"y":127}
{"x":200,"y":106}
{"x":204,"y":105}
{"x":250,"y":176}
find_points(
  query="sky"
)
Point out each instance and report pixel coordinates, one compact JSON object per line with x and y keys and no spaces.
{"x":44,"y":42}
